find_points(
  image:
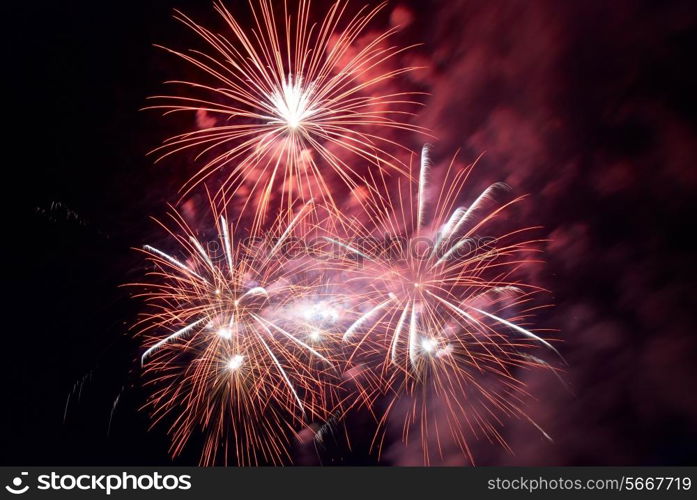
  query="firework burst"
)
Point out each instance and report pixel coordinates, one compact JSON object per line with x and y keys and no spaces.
{"x":287,"y":100}
{"x":423,"y":317}
{"x":443,"y":310}
{"x":226,"y":353}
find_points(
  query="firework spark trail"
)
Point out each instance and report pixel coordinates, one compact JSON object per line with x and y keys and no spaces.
{"x":76,"y":391}
{"x":285,"y":92}
{"x":229,"y":369}
{"x":438,"y":322}
{"x":113,"y":410}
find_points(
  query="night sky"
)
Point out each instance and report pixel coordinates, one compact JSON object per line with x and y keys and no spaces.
{"x":588,"y":106}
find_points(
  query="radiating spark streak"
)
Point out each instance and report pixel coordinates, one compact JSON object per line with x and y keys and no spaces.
{"x":290,"y":227}
{"x":174,"y":261}
{"x":65,"y":411}
{"x":518,"y":329}
{"x":412,"y":335}
{"x":466,"y":316}
{"x":359,"y":322}
{"x":226,"y":242}
{"x":542,"y":362}
{"x":454,"y":249}
{"x":169,"y":339}
{"x":547,"y":436}
{"x":283,"y":372}
{"x":448,"y":229}
{"x":500,"y":290}
{"x":291,"y":337}
{"x":347,"y":247}
{"x":257,"y":290}
{"x":486,"y":194}
{"x":453,"y":307}
{"x":423,"y":172}
{"x":397,"y":333}
{"x":111,"y":413}
{"x":203,"y":253}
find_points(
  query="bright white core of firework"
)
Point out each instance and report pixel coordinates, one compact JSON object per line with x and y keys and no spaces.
{"x":291,"y":105}
{"x":235,"y":362}
{"x":224,"y":332}
{"x":320,"y":313}
{"x":429,"y":344}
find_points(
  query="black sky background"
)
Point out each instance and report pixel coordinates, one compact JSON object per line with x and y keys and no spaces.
{"x":79,"y":190}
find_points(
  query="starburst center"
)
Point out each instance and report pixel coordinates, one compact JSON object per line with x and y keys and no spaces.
{"x":235,"y":362}
{"x":292,"y":104}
